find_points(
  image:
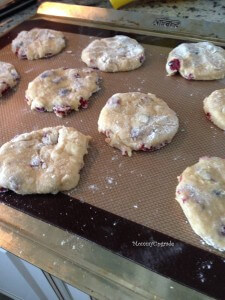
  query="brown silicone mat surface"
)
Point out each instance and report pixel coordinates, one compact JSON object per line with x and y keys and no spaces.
{"x":140,"y":188}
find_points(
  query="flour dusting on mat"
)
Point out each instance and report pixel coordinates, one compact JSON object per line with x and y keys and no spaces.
{"x":93,"y":187}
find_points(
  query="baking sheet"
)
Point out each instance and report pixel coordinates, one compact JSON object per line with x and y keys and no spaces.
{"x":140,"y":188}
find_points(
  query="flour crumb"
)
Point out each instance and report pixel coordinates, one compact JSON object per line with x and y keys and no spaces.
{"x":28,"y":71}
{"x":110,"y":180}
{"x":201,"y":277}
{"x":115,"y":157}
{"x":93,"y":187}
{"x":177,"y":157}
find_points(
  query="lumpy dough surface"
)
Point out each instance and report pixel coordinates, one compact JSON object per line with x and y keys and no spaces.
{"x":38,"y":43}
{"x":201,"y":194}
{"x":214,"y":107}
{"x":62,"y":90}
{"x":43,"y":161}
{"x":8,"y":77}
{"x":137,"y":121}
{"x":197,"y":61}
{"x":119,"y":53}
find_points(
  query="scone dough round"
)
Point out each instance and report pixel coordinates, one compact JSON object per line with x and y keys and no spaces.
{"x":62,"y":90}
{"x":119,"y":53}
{"x":38,"y":43}
{"x":201,"y":194}
{"x":197,"y":61}
{"x":43,"y":161}
{"x":137,"y":121}
{"x":214,"y":107}
{"x":8,"y":77}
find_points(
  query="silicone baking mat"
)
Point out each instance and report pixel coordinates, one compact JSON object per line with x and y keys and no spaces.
{"x":140,"y":188}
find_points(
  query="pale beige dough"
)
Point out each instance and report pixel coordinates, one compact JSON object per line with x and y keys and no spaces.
{"x":197,"y":61}
{"x":8,"y":77}
{"x":119,"y":53}
{"x":62,"y":90}
{"x":38,"y":43}
{"x":44,"y":161}
{"x":137,"y":121}
{"x":201,"y":194}
{"x":214,"y":107}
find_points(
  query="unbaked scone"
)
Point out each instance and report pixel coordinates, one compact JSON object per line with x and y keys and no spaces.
{"x":197,"y":61}
{"x":137,"y":121}
{"x":8,"y":77}
{"x":62,"y":90}
{"x":201,"y":194}
{"x":214,"y":107}
{"x":38,"y":43}
{"x":115,"y":54}
{"x":43,"y":161}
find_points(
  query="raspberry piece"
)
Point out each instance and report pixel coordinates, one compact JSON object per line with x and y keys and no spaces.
{"x":190,"y":77}
{"x":17,"y":51}
{"x":184,"y":199}
{"x":3,"y":190}
{"x":143,"y":148}
{"x":5,"y":90}
{"x":40,"y":109}
{"x":174,"y":65}
{"x":208,"y":116}
{"x":124,"y":152}
{"x":48,"y":55}
{"x":222,"y":230}
{"x":92,"y":62}
{"x":83,"y":103}
{"x":141,"y":59}
{"x":62,"y":111}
